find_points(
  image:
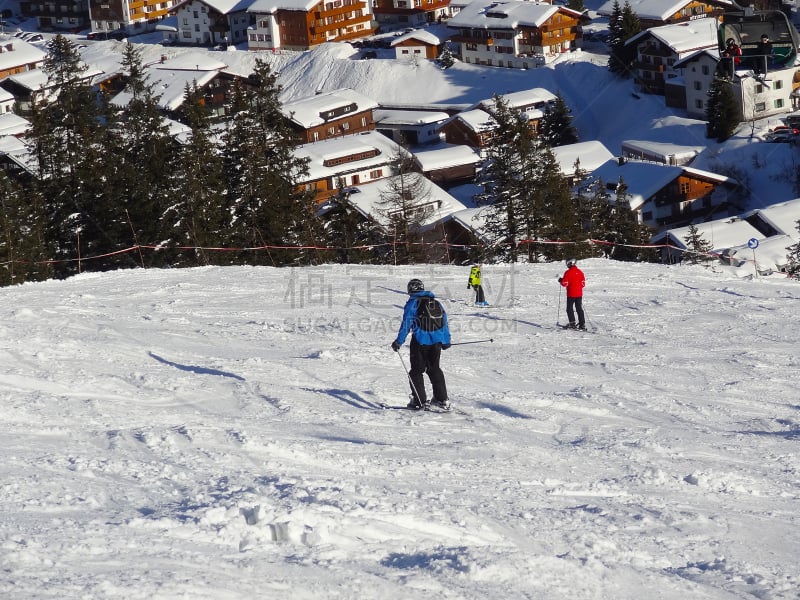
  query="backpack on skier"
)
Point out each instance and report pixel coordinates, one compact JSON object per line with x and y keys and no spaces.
{"x":430,"y":314}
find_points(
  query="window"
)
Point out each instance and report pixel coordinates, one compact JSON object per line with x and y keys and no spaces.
{"x":376,"y":174}
{"x":698,"y":103}
{"x":759,"y":89}
{"x":704,"y":69}
{"x":779,"y":103}
{"x":363,"y":121}
{"x":697,"y":86}
{"x":760,"y":107}
{"x":472,"y":46}
{"x":345,"y":126}
{"x":684,"y":187}
{"x":777,"y":85}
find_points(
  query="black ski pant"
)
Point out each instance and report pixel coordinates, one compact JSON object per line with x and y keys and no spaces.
{"x":479,"y":297}
{"x":575,"y":305}
{"x":425,"y":359}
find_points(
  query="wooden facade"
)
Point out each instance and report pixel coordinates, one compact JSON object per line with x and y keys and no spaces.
{"x":300,"y":29}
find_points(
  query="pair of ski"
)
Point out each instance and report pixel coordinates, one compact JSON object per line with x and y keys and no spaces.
{"x":432,"y":409}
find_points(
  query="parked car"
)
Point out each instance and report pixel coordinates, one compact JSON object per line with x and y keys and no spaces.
{"x":781,"y":137}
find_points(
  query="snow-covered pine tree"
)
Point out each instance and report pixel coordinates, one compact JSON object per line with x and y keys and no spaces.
{"x":404,"y":207}
{"x":722,"y":111}
{"x":67,"y":137}
{"x":698,"y":247}
{"x":266,"y":201}
{"x":196,"y":218}
{"x":556,"y":128}
{"x":793,"y":264}
{"x":143,"y":151}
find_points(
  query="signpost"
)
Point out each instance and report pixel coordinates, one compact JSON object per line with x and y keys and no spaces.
{"x":752,"y":243}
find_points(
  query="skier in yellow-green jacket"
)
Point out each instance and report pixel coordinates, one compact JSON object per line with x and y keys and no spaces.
{"x":475,"y":283}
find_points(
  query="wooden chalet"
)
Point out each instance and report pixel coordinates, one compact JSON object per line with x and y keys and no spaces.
{"x":514,"y":33}
{"x":330,"y":115}
{"x":409,"y":13}
{"x":667,"y":196}
{"x":304,"y":24}
{"x":17,"y":56}
{"x":347,"y":162}
{"x":654,"y":13}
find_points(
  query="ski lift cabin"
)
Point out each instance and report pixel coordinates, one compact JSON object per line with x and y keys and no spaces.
{"x":746,"y":26}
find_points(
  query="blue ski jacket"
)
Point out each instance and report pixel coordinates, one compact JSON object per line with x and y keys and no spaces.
{"x":409,"y":324}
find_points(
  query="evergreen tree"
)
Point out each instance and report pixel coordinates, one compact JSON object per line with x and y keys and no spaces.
{"x":556,"y":127}
{"x":268,"y":206}
{"x":722,"y":111}
{"x":499,"y":176}
{"x":623,"y":24}
{"x":446,"y":58}
{"x":697,"y":245}
{"x":195,"y":220}
{"x":68,"y":141}
{"x":143,"y":155}
{"x":405,"y":206}
{"x":577,"y":5}
{"x":793,"y":264}
{"x":23,"y":250}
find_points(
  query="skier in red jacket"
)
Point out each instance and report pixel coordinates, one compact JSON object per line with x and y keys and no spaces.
{"x":574,"y":280}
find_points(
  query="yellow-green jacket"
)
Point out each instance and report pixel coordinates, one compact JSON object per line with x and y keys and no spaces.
{"x":474,"y":276}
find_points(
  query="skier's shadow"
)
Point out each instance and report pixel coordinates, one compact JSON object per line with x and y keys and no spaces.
{"x":195,"y":369}
{"x":348,"y":397}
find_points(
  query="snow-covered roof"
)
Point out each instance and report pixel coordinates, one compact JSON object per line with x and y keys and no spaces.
{"x":15,"y":52}
{"x":169,"y":85}
{"x":268,"y":7}
{"x":384,"y":116}
{"x":307,"y":112}
{"x":12,"y":124}
{"x":722,"y":234}
{"x":368,"y":200}
{"x":682,"y":38}
{"x":422,"y":35}
{"x":477,"y":120}
{"x":678,"y":152}
{"x":643,"y":179}
{"x":447,"y":156}
{"x":592,"y":154}
{"x":474,"y":219}
{"x":508,"y":14}
{"x":349,"y":145}
{"x":782,"y":216}
{"x":221,"y":6}
{"x":531,"y":97}
{"x":31,"y":80}
{"x":650,"y":9}
{"x":771,"y":255}
{"x":712,"y":53}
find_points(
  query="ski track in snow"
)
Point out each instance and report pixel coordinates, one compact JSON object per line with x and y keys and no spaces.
{"x":217,"y":433}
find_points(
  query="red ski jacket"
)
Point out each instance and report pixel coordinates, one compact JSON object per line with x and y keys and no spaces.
{"x":574,"y":280}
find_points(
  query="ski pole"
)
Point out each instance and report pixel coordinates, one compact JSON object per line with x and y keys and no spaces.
{"x":413,"y":387}
{"x":472,"y":342}
{"x":558,"y":313}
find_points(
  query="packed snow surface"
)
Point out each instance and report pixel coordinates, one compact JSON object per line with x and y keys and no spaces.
{"x":216,"y":433}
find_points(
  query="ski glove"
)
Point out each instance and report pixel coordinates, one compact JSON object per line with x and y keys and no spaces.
{"x":468,"y":286}
{"x":445,"y":346}
{"x":395,"y":346}
{"x":560,"y":279}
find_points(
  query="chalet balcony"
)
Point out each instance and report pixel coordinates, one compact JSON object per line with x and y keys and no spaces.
{"x":76,"y":11}
{"x":320,"y":31}
{"x":468,"y":39}
{"x":344,"y":9}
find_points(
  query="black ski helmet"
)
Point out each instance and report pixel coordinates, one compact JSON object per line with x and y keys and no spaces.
{"x":415,"y":285}
{"x":571,"y":261}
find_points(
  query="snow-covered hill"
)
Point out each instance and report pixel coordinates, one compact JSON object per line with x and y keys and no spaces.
{"x":216,"y":433}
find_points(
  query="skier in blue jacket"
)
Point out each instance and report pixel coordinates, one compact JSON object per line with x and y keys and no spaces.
{"x":430,"y":335}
